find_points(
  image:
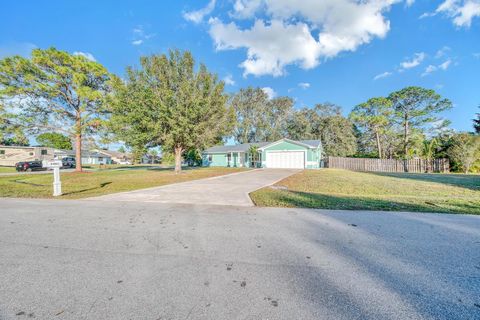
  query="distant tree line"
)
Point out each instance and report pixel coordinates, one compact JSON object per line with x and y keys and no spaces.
{"x":171,"y":102}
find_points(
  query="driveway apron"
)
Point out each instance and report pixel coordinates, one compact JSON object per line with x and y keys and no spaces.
{"x":232,"y":189}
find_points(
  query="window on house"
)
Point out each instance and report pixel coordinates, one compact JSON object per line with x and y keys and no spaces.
{"x":100,"y":158}
{"x":210,"y":158}
{"x":44,"y":152}
{"x":2,"y":151}
{"x":30,"y":153}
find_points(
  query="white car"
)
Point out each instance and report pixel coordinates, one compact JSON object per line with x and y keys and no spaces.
{"x":125,"y":162}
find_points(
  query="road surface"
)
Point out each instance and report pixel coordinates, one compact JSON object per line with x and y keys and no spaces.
{"x":127,"y":260}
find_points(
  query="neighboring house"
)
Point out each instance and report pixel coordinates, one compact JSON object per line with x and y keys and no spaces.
{"x":10,"y":155}
{"x":284,"y":153}
{"x":149,"y":159}
{"x":115,"y":156}
{"x":88,"y":157}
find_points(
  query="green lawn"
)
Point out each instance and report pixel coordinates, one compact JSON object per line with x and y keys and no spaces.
{"x":341,"y":189}
{"x":89,"y":184}
{"x":7,"y":169}
{"x":122,"y":166}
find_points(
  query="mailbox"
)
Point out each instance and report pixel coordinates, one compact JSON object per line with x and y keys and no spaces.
{"x":57,"y":184}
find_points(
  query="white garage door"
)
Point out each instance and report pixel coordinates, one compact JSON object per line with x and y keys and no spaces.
{"x":291,"y":159}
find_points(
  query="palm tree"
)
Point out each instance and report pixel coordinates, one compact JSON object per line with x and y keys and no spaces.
{"x":153,"y":154}
{"x":428,"y":152}
{"x":253,"y":151}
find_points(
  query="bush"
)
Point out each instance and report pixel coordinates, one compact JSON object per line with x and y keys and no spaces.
{"x":464,"y":153}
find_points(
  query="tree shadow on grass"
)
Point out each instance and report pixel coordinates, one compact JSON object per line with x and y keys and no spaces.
{"x":29,"y":183}
{"x":131,"y":168}
{"x":471,"y":182}
{"x":322,"y":201}
{"x":102,"y":185}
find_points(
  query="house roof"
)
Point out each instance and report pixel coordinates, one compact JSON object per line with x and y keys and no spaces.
{"x":235,"y":148}
{"x":23,"y":147}
{"x":111,"y":153}
{"x":85,"y":153}
{"x":312,"y":143}
{"x":246,"y":146}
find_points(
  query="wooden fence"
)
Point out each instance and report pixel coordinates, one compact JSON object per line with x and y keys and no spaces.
{"x":388,"y":165}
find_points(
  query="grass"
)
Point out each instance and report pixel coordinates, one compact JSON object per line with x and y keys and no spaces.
{"x":7,"y":169}
{"x":122,"y":166}
{"x":90,"y":184}
{"x":341,"y":189}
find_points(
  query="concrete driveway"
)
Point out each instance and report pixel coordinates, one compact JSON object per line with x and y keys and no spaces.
{"x":232,"y":189}
{"x":121,"y":260}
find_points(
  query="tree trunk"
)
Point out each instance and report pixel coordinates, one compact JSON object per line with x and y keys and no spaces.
{"x":405,"y":136}
{"x":78,"y":146}
{"x":379,"y":146}
{"x":178,"y":159}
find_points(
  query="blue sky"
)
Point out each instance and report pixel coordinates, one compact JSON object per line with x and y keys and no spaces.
{"x":314,"y":51}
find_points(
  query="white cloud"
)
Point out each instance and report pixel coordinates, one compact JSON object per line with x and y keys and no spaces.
{"x":442,"y":52}
{"x":426,"y":15}
{"x":270,"y":47}
{"x":413,"y":62}
{"x":462,"y":12}
{"x":476,"y":55}
{"x":228,"y":79}
{"x":445,"y":65}
{"x":431,"y":68}
{"x":304,"y":85}
{"x":245,"y":8}
{"x":87,"y":55}
{"x":409,"y":2}
{"x":299,"y":32}
{"x":140,"y":36}
{"x":269,"y":92}
{"x":198,"y":15}
{"x":382,"y":75}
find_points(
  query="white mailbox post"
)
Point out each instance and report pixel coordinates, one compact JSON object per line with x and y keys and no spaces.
{"x":57,"y":184}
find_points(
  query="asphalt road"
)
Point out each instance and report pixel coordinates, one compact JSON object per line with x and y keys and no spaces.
{"x":111,"y":260}
{"x":229,"y":189}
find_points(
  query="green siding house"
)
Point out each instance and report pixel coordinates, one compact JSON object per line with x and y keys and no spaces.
{"x":284,"y":153}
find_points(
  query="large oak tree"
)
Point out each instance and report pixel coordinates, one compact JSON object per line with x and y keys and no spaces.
{"x":258,"y":117}
{"x":169,"y":102}
{"x":54,"y":140}
{"x":326,"y":123}
{"x":56,"y":91}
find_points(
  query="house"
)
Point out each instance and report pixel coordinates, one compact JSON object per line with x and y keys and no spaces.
{"x":284,"y":153}
{"x":10,"y":155}
{"x":88,"y":157}
{"x":150,"y":159}
{"x":115,"y":156}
